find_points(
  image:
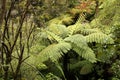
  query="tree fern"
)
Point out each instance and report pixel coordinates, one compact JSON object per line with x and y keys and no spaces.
{"x":76,"y":38}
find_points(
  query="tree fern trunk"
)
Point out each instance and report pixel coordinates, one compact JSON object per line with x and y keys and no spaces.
{"x":65,"y":66}
{"x":68,"y":74}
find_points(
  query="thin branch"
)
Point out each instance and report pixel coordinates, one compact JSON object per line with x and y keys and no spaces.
{"x":8,"y":16}
{"x":12,"y":68}
{"x":3,"y":8}
{"x":6,"y":48}
{"x":28,"y":38}
{"x":20,"y":25}
{"x":96,"y":7}
{"x":25,"y":58}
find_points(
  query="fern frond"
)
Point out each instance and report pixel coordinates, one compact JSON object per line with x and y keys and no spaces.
{"x":86,"y":53}
{"x":56,"y":20}
{"x":88,"y":31}
{"x":58,"y":29}
{"x":80,"y":46}
{"x":99,"y":38}
{"x":80,"y":28}
{"x":71,"y":29}
{"x":76,"y":27}
{"x":67,"y":19}
{"x":54,"y":51}
{"x":51,"y":36}
{"x":77,"y":39}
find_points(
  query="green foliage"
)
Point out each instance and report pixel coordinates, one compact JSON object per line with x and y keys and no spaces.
{"x":54,"y":51}
{"x":52,"y":36}
{"x":45,"y":10}
{"x":58,"y":29}
{"x":77,"y":39}
{"x":104,"y":53}
{"x":107,"y":15}
{"x":115,"y":69}
{"x":83,"y":42}
{"x":86,"y":68}
{"x":99,"y":38}
{"x":89,"y":45}
{"x":86,"y":53}
{"x":51,"y":76}
{"x":80,"y":46}
{"x":89,"y":31}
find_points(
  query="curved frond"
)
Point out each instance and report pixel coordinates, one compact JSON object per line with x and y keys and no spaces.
{"x":73,"y":28}
{"x":99,"y":38}
{"x":80,"y":46}
{"x":77,"y":39}
{"x":54,"y":51}
{"x":51,"y":36}
{"x":86,"y":53}
{"x":88,"y":31}
{"x":67,"y":19}
{"x":58,"y":29}
{"x":82,"y":28}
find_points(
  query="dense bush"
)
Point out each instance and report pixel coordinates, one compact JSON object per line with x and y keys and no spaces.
{"x":60,"y":40}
